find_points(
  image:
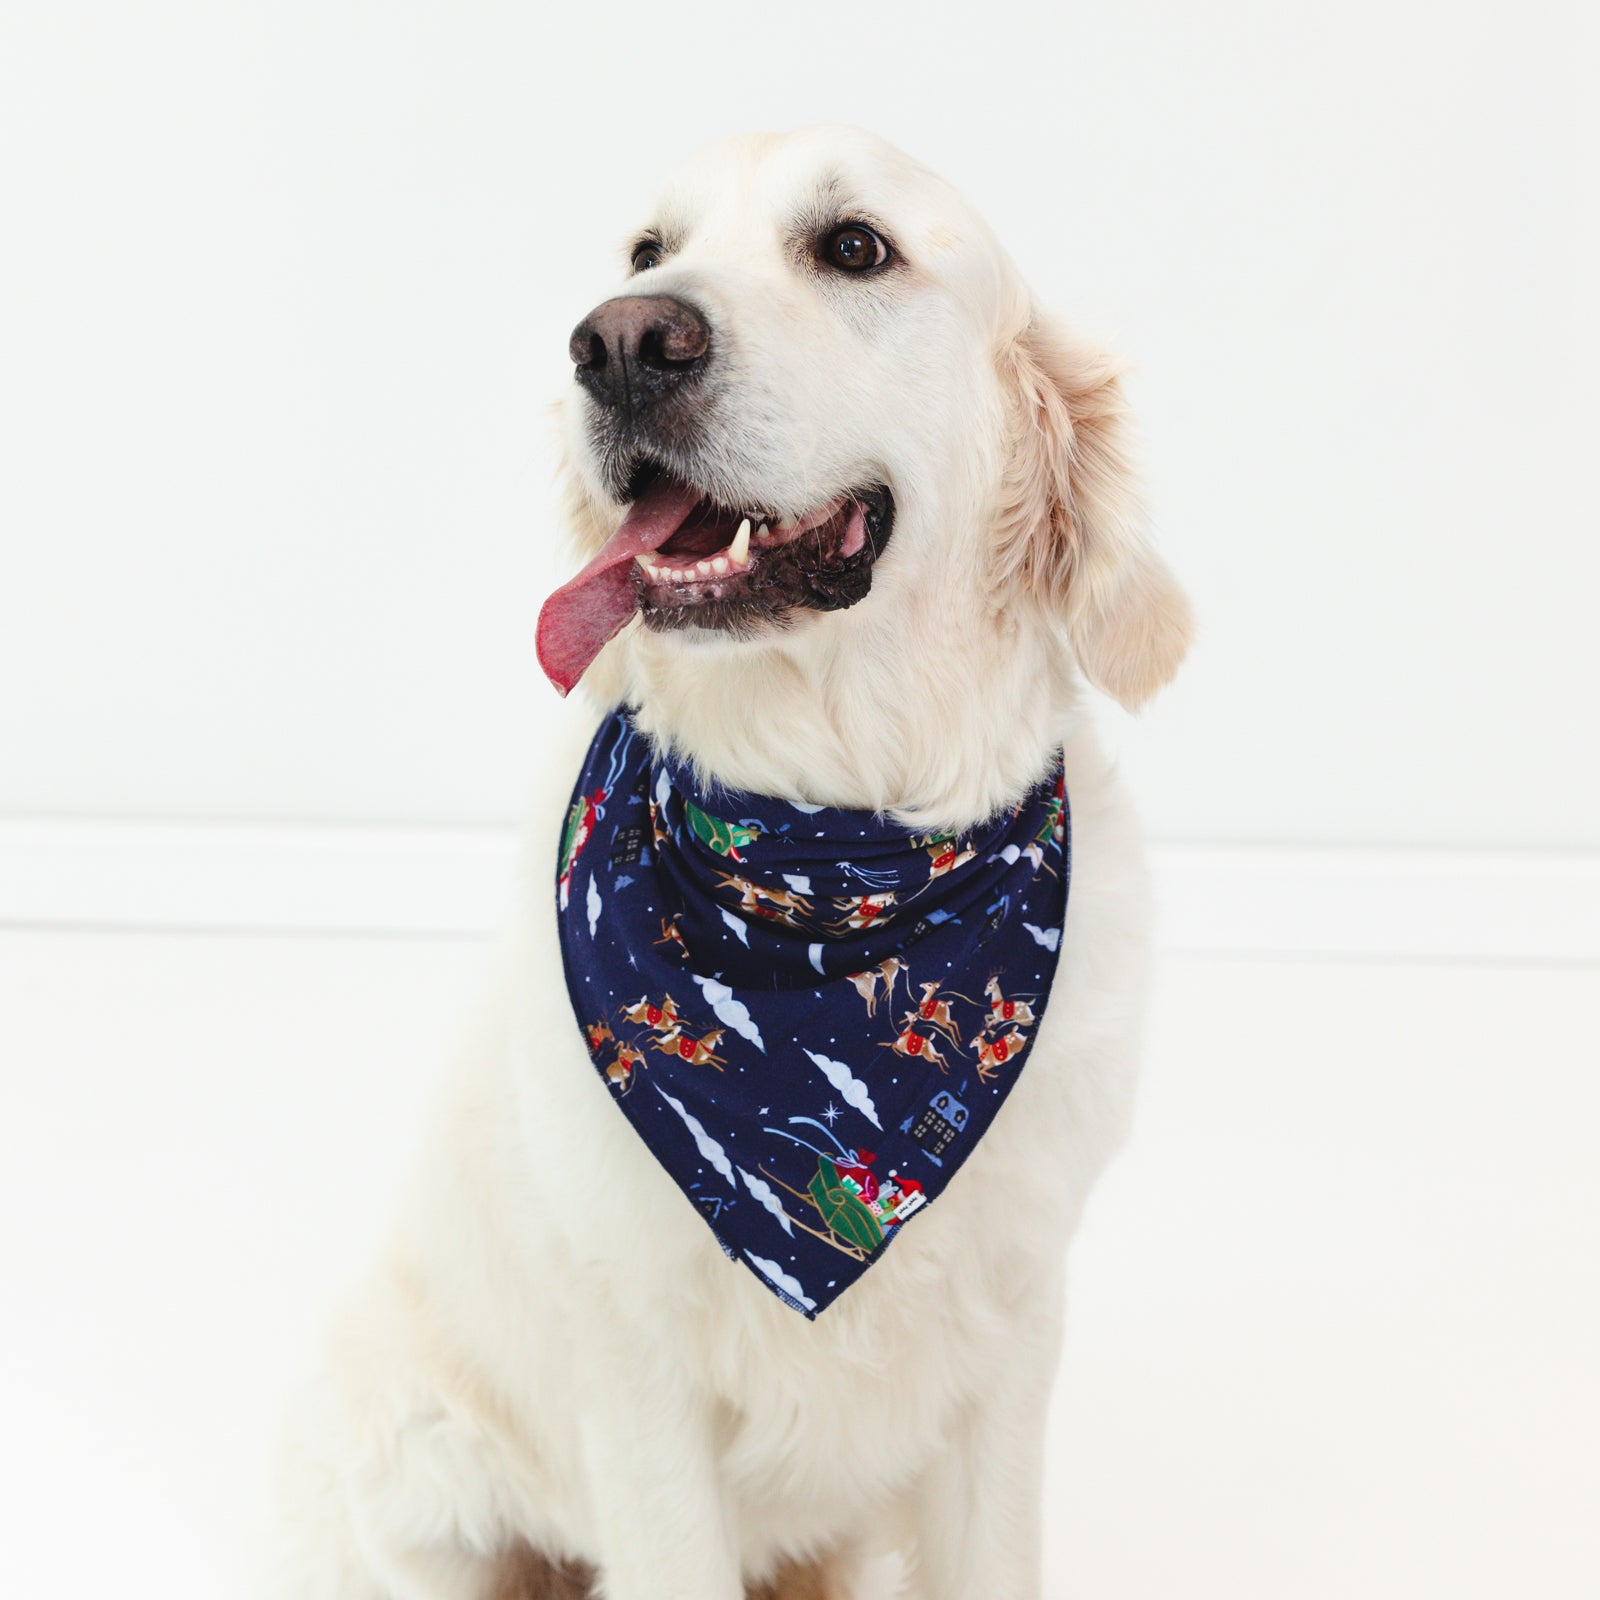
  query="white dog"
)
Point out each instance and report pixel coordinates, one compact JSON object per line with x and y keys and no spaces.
{"x":556,"y":1383}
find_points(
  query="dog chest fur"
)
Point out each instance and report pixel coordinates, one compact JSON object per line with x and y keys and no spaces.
{"x":503,"y":1329}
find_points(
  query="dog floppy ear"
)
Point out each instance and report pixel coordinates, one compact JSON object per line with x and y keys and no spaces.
{"x":1071,"y":531}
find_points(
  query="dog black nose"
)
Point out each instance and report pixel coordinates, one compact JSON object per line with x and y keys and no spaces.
{"x":638,"y":349}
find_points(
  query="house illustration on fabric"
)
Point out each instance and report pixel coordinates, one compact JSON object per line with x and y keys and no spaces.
{"x":627,"y":845}
{"x":937,"y":1126}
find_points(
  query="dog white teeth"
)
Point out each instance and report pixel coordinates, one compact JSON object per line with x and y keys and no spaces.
{"x":739,"y":550}
{"x":720,"y":565}
{"x":703,"y":569}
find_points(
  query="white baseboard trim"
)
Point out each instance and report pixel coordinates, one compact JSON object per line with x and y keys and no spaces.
{"x":1526,"y":907}
{"x":257,"y":878}
{"x":1445,"y":905}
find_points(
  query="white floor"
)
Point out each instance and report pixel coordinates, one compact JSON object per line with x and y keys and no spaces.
{"x":1336,"y":1317}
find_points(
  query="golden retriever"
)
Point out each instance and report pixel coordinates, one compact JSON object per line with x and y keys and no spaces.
{"x":554,"y":1383}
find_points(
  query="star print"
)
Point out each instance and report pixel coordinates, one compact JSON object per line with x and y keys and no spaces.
{"x":729,"y":1124}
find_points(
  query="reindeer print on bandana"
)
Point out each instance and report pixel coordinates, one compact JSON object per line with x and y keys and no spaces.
{"x":809,"y":1015}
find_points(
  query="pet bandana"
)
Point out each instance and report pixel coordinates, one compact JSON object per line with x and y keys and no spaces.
{"x":809,"y":1015}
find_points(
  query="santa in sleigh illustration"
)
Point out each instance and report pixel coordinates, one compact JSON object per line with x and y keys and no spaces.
{"x":859,"y":1207}
{"x":586,"y":810}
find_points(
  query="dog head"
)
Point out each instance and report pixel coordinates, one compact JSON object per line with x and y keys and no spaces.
{"x":820,"y":422}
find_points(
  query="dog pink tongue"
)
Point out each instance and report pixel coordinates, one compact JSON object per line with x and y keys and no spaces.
{"x":590,"y":610}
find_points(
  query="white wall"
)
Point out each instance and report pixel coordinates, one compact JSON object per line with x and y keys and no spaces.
{"x":284,"y":291}
{"x":285,"y":287}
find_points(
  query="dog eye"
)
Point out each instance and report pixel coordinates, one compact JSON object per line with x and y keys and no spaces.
{"x":854,"y":248}
{"x":646,"y":254}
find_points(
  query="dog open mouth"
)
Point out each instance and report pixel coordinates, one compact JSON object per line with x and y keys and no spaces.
{"x":683,"y":560}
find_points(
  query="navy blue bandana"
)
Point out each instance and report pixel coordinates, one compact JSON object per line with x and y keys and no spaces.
{"x":810,"y":1015}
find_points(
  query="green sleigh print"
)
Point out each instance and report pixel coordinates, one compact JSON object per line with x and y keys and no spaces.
{"x":846,"y":1215}
{"x":725,"y":838}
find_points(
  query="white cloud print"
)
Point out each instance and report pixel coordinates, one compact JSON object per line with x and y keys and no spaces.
{"x":708,"y":1147}
{"x":851,"y":1089}
{"x":763,"y":1192}
{"x":730,"y":1013}
{"x":784,"y":1280}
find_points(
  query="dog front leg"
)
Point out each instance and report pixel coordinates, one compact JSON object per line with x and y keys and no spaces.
{"x":662,"y":1525}
{"x":976,"y":1510}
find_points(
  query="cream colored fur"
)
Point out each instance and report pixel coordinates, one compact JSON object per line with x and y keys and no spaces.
{"x":554,"y":1353}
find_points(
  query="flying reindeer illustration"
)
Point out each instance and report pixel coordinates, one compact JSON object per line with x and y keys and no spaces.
{"x":885,"y":972}
{"x":697,"y":1052}
{"x":671,"y":934}
{"x":659,"y":832}
{"x":661,"y":1017}
{"x":994,"y":1054}
{"x":1004,"y":1010}
{"x":934,"y":1012}
{"x":861,"y":912}
{"x":945,"y":856}
{"x":621,"y":1068}
{"x":757,"y":900}
{"x":918,"y":1046}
